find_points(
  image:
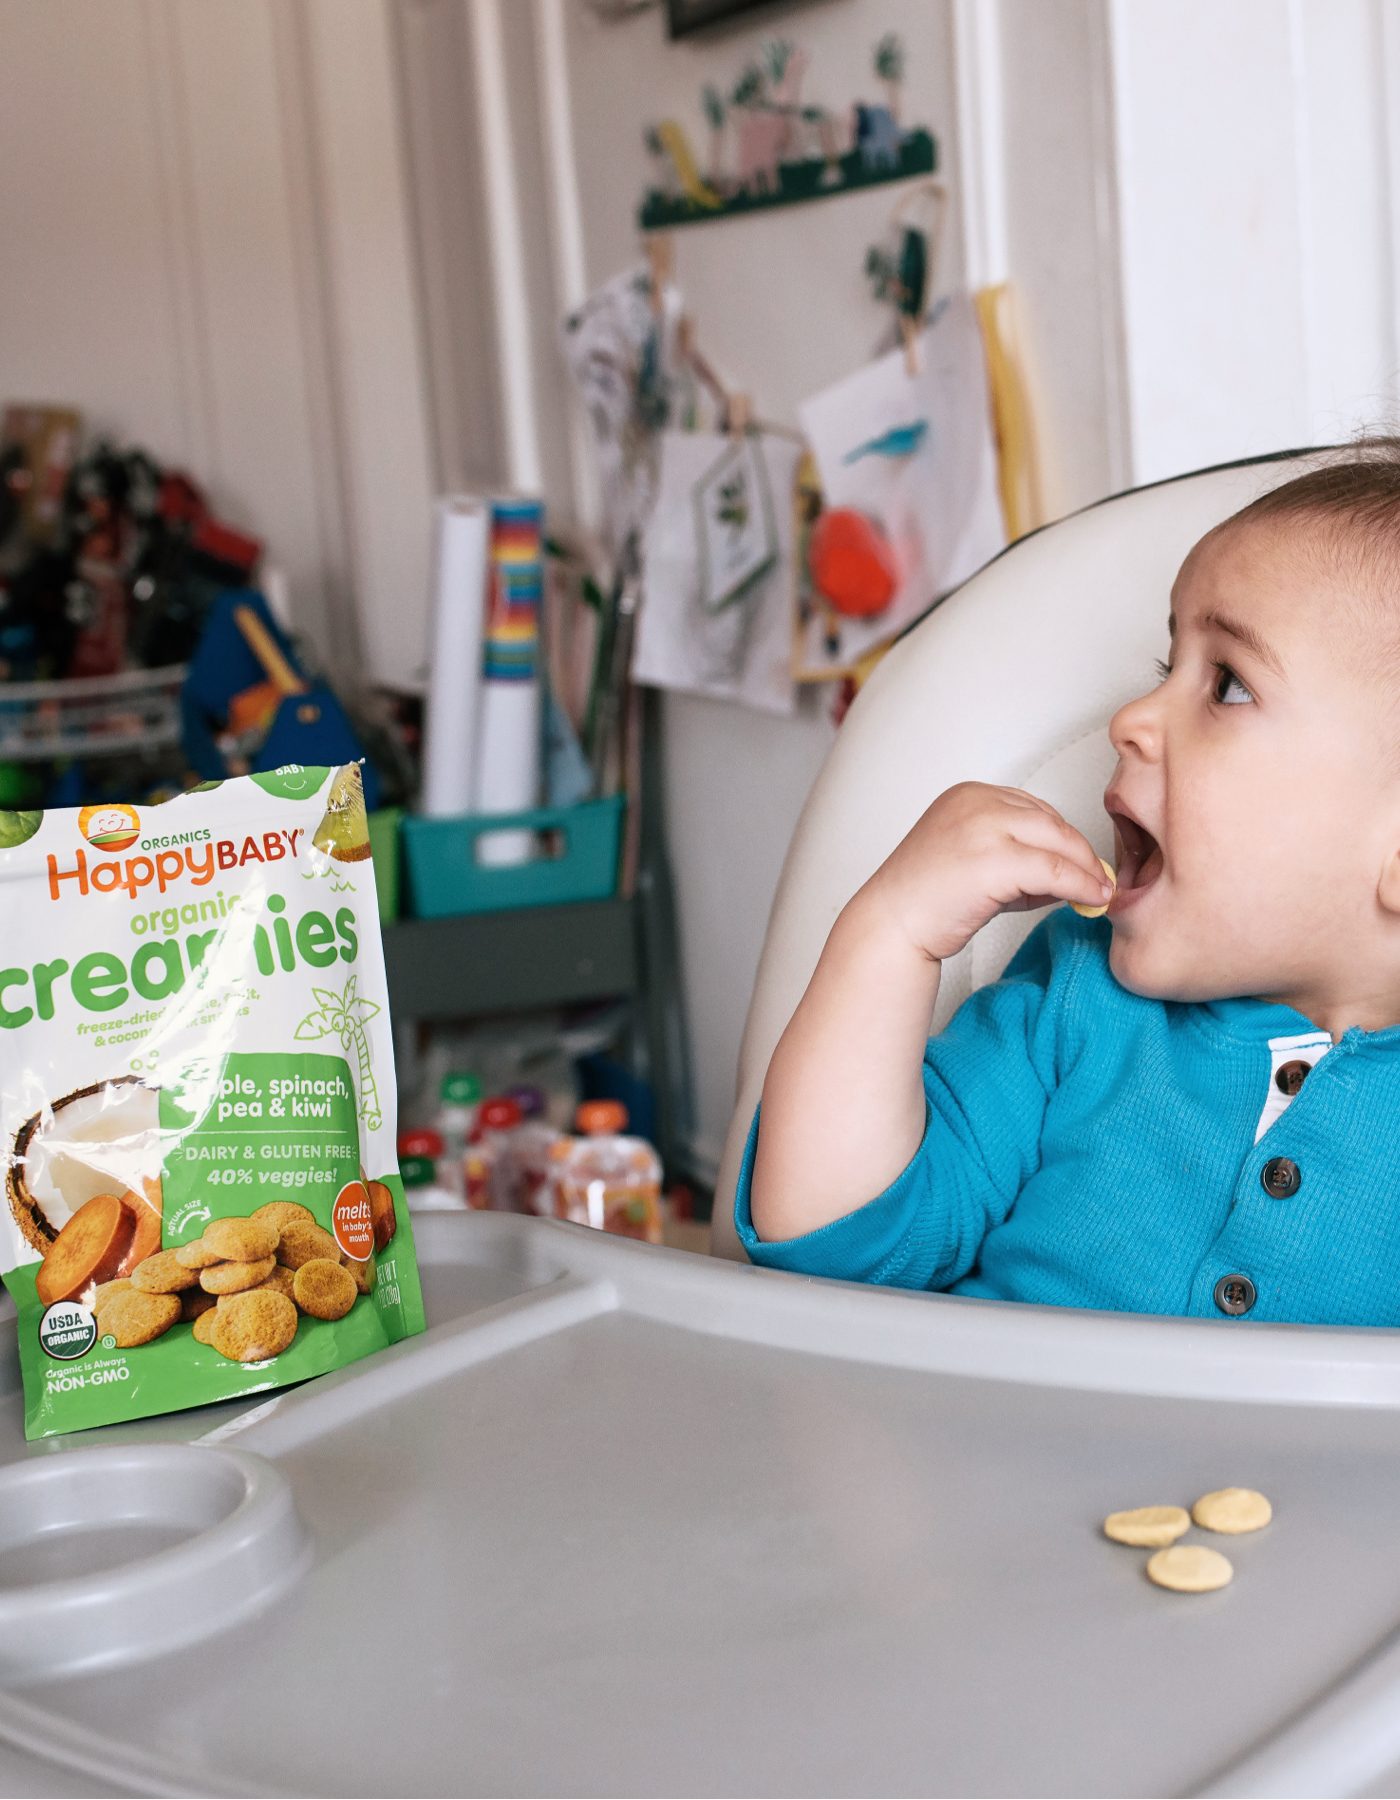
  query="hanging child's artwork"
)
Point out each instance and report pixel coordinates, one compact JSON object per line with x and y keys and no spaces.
{"x":717,"y":570}
{"x":736,"y":531}
{"x":768,"y":146}
{"x":910,"y":504}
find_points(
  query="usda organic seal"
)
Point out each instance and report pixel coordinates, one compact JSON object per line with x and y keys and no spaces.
{"x":67,"y":1330}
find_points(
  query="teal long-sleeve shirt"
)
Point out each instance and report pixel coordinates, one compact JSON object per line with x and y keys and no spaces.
{"x":1086,"y":1147}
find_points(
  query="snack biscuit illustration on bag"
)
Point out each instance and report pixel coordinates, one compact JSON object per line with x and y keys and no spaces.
{"x":197,"y":1099}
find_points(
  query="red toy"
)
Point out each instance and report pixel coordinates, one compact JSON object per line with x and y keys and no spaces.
{"x":852,"y":563}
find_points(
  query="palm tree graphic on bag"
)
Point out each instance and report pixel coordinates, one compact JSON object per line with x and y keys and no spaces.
{"x":345,"y":1016}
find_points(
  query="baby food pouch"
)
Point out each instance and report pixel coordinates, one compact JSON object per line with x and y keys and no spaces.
{"x":197,"y":1099}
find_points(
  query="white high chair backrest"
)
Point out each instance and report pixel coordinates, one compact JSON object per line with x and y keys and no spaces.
{"x":1012,"y":680}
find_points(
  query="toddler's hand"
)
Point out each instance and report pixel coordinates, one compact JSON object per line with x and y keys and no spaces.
{"x":979,"y":851}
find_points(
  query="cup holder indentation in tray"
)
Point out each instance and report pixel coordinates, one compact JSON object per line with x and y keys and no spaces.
{"x":99,"y":1550}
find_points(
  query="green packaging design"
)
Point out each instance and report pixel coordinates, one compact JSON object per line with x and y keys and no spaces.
{"x":197,"y":1099}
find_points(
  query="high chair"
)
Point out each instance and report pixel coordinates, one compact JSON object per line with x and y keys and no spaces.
{"x":1012,"y":680}
{"x":630,"y":1520}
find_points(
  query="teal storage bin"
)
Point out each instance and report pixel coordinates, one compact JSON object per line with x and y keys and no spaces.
{"x":445,"y":879}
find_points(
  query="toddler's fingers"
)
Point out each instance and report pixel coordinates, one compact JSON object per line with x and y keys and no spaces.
{"x":1045,"y":875}
{"x":1097,"y":912}
{"x":1048,"y":832}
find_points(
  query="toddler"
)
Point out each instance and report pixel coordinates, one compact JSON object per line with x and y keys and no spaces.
{"x":1191,"y":1105}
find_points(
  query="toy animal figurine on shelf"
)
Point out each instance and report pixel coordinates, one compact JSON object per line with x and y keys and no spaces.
{"x":767,"y":118}
{"x":784,"y":150}
{"x":878,"y":137}
{"x":903,"y":277}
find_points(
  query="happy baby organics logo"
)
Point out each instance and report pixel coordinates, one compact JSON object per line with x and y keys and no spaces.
{"x":110,"y":828}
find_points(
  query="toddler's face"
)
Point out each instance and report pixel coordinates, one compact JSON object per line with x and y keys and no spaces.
{"x":1256,"y":800}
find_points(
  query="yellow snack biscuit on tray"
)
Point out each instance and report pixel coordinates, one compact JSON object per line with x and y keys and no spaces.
{"x":1190,"y":1569}
{"x":1147,"y":1527}
{"x":1232,"y":1510}
{"x":1097,"y":912}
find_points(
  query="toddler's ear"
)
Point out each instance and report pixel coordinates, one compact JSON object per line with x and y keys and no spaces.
{"x":1388,"y":888}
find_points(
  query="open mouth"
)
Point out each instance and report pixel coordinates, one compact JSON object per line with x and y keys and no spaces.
{"x":1139,"y":857}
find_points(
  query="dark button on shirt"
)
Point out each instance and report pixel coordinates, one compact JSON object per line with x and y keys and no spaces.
{"x":1234,"y":1294}
{"x":1280,"y":1177}
{"x":1291,"y":1076}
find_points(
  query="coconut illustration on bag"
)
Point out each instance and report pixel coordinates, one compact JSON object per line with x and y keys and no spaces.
{"x":84,"y":1186}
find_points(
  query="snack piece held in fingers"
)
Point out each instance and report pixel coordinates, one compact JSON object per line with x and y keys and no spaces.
{"x":284,"y":1212}
{"x":133,"y":1317}
{"x":381,"y":1211}
{"x":1096,"y":912}
{"x":235,"y":1277}
{"x":162,"y":1273}
{"x":324,"y":1289}
{"x":88,"y":1251}
{"x":299,"y":1243}
{"x":253,"y":1326}
{"x":241,"y":1240}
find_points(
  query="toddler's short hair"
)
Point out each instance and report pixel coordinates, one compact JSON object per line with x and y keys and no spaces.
{"x":1352,"y":500}
{"x":1342,"y":520}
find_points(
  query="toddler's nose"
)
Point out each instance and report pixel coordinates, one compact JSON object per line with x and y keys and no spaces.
{"x":1135,"y":729}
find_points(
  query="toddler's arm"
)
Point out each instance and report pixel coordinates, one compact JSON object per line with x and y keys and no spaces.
{"x":843,"y":1102}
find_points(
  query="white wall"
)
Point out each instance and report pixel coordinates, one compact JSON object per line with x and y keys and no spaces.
{"x":782,"y":308}
{"x":1256,"y":158}
{"x":205,"y":247}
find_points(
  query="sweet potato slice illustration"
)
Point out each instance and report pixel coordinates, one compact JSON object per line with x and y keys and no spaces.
{"x":381,"y":1210}
{"x":89,"y":1249}
{"x":145,"y":1240}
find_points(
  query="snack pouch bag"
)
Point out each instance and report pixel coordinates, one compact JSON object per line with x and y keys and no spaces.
{"x":197,"y":1099}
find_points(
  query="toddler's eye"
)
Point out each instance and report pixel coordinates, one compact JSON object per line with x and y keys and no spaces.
{"x":1229,"y":690}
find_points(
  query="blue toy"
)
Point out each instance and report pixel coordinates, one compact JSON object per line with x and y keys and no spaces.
{"x":879,"y":137}
{"x":245,"y":668}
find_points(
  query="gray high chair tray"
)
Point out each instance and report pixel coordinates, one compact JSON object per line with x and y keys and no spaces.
{"x":628,"y":1521}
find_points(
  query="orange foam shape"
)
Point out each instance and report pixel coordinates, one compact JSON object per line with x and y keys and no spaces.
{"x":852,"y":563}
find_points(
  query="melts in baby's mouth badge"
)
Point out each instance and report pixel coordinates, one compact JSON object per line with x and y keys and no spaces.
{"x":1097,"y":912}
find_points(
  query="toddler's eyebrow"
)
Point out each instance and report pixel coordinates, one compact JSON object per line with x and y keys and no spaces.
{"x":1242,"y":634}
{"x":1249,"y":637}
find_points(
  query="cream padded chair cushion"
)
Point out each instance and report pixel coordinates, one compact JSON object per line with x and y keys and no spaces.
{"x":1013,"y":680}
